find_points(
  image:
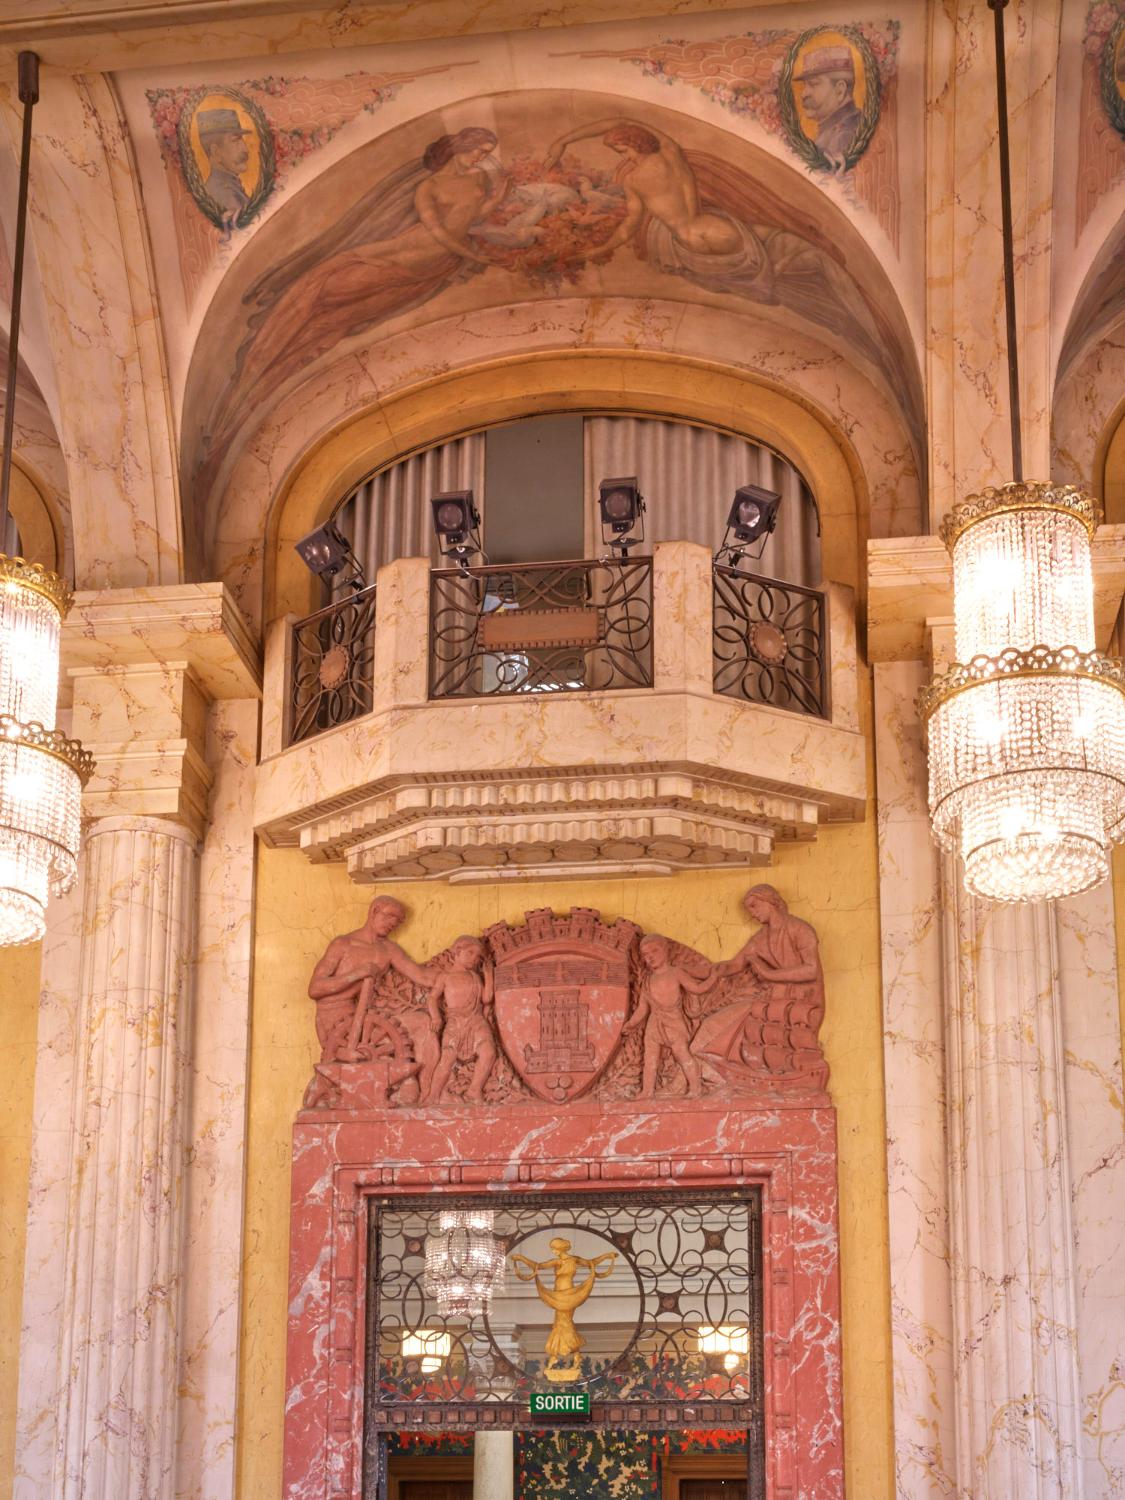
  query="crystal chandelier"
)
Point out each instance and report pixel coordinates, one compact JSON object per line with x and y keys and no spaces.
{"x":1027,"y":729}
{"x":41,"y":772}
{"x":464,"y":1264}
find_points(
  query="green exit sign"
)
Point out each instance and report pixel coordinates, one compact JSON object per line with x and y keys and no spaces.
{"x":559,"y":1403}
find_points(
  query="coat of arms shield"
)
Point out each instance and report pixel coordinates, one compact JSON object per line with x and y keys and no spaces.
{"x":562,"y":998}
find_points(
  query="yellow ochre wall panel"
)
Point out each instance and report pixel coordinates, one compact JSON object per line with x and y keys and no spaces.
{"x":19,"y":1015}
{"x":831,"y":883}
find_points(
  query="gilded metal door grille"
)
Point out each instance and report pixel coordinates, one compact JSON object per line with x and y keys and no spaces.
{"x":690,"y":1262}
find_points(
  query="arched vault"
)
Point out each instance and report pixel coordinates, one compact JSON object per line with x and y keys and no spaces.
{"x":584,"y":201}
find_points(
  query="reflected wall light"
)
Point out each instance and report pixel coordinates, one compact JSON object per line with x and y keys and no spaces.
{"x":430,"y":1346}
{"x":731,"y":1340}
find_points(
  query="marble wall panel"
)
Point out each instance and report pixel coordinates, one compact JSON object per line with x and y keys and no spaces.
{"x":1095,"y":1125}
{"x":216,"y":1129}
{"x":914,"y":1072}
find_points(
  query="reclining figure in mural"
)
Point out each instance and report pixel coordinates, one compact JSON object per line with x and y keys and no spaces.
{"x":771,"y":1030}
{"x":695,"y":216}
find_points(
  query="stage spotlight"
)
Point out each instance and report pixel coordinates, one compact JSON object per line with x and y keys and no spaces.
{"x":327,"y":553}
{"x":457,"y":524}
{"x":753,"y":515}
{"x":622,"y":510}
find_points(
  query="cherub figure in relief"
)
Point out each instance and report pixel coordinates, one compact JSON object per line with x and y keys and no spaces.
{"x":460,"y":1006}
{"x":664,"y":1009}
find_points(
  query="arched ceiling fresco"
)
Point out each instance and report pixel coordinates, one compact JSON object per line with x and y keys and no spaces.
{"x":511,"y":198}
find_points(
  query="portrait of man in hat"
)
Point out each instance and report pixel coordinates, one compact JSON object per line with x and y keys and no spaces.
{"x":223,"y":139}
{"x":827,"y":83}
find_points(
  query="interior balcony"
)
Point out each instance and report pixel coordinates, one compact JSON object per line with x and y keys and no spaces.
{"x":596,"y":717}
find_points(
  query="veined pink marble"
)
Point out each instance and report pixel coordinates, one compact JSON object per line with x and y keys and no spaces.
{"x":342,"y":1158}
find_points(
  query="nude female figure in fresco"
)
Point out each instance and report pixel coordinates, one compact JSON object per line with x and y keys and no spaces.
{"x":657,"y":180}
{"x":696,"y":216}
{"x":397,"y":247}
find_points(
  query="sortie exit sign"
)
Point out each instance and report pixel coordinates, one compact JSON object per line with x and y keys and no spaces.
{"x":559,"y":1403}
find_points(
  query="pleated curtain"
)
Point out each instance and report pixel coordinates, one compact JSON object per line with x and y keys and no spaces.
{"x":388,"y":516}
{"x":688,"y":476}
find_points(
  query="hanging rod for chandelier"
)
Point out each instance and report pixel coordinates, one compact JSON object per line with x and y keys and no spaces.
{"x":1026,"y":731}
{"x":42,"y":773}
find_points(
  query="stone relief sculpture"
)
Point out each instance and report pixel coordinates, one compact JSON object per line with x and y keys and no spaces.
{"x":662,"y":1007}
{"x":465,"y":1025}
{"x":773,"y":1022}
{"x":566,"y":1006}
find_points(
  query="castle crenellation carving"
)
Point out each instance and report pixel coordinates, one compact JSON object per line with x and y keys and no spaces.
{"x":564,"y":1007}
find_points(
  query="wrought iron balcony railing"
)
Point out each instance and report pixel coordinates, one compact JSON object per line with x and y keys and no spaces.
{"x":769,"y":642}
{"x":541,"y":627}
{"x":333,"y":666}
{"x":558,"y":628}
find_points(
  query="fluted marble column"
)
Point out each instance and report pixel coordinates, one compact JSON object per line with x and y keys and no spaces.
{"x":121,"y":1299}
{"x":1016,"y":1377}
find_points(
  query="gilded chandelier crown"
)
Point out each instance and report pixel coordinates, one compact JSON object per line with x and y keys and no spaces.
{"x":1022,"y":495}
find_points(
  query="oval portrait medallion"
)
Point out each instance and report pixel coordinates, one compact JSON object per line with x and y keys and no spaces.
{"x":828,"y":96}
{"x":227,"y":155}
{"x":1113,"y":75}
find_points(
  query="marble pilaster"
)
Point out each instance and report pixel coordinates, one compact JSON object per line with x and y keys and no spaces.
{"x":914,"y":1073}
{"x":128,"y":1358}
{"x":1019,"y":1417}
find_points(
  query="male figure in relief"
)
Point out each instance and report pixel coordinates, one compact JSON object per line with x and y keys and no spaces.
{"x":345,"y":981}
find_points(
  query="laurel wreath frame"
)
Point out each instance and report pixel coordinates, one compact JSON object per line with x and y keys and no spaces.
{"x":808,"y":150}
{"x":1111,"y":95}
{"x":267,"y":157}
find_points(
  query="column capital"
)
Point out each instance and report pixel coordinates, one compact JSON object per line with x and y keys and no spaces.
{"x":143,"y":665}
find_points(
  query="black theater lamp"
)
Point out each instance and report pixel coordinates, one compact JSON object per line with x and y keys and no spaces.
{"x":753,"y":516}
{"x":327,"y":553}
{"x":457,"y":524}
{"x":622,"y":509}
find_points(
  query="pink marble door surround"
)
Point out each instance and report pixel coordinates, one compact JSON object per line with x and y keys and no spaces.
{"x":736,"y":1097}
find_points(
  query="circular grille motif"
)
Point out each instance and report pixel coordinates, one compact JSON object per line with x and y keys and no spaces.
{"x":768,"y":644}
{"x":333,"y":667}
